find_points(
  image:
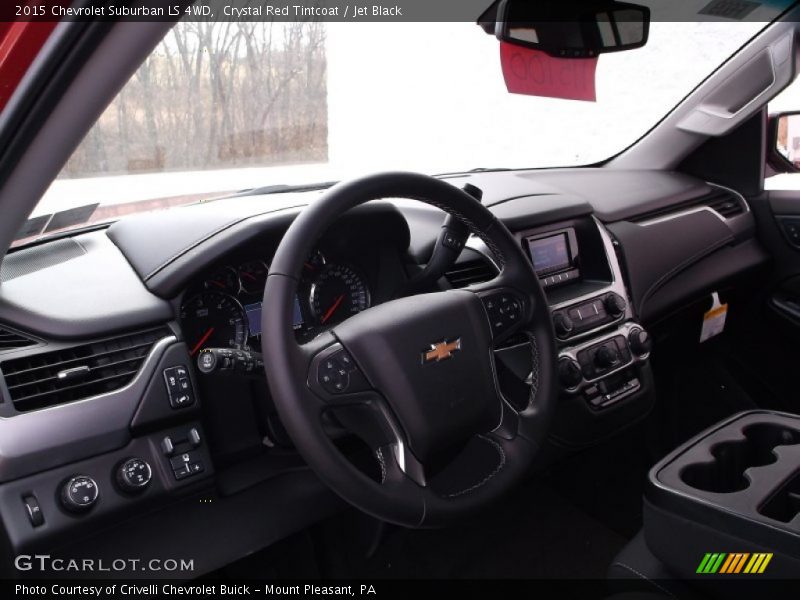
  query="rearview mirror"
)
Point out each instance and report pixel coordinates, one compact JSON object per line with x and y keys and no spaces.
{"x":572,"y":28}
{"x":784,"y":142}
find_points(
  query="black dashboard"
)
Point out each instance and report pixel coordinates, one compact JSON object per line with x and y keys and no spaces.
{"x":104,"y":371}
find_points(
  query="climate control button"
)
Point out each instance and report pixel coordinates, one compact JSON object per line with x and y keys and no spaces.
{"x":569,"y":373}
{"x":640,"y":341}
{"x":615,"y":305}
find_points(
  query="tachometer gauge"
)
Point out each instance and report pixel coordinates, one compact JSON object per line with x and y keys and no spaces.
{"x":337,"y":293}
{"x":224,"y":280}
{"x":253,"y":276}
{"x":213,"y":320}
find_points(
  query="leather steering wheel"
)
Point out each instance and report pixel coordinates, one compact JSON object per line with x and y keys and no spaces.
{"x":414,"y":378}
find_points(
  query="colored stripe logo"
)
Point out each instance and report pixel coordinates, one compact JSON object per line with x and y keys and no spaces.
{"x":734,"y":563}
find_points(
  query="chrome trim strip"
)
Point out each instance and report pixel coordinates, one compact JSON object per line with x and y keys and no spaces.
{"x":698,"y":209}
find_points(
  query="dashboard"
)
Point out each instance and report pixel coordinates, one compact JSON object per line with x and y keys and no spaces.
{"x":152,"y":306}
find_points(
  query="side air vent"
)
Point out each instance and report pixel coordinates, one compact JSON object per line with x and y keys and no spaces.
{"x":725,"y":203}
{"x":10,"y":340}
{"x":71,"y":374}
{"x":470,"y":272}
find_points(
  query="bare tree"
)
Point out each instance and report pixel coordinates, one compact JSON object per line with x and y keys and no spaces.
{"x":216,"y":95}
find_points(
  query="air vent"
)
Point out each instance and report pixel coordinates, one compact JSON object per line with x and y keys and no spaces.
{"x":725,"y":203}
{"x":470,"y":272}
{"x":71,"y":374}
{"x":10,"y":340}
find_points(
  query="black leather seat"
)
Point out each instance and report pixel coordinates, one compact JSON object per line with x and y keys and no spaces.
{"x":636,"y":570}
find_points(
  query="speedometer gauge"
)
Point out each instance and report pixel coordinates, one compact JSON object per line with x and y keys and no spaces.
{"x":337,"y":293}
{"x":213,"y":320}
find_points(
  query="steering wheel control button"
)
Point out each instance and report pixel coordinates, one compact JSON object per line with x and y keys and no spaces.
{"x":79,"y":494}
{"x":34,"y":510}
{"x":134,"y":475}
{"x":504,"y":310}
{"x":337,"y":373}
{"x":179,"y":387}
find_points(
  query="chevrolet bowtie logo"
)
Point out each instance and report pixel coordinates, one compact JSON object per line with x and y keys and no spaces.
{"x":441,"y":351}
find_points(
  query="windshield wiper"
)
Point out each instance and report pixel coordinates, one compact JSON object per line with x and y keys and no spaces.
{"x":475,"y":170}
{"x":283,"y":188}
{"x":37,"y":227}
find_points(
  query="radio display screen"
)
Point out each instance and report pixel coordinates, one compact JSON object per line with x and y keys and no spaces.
{"x":550,"y":254}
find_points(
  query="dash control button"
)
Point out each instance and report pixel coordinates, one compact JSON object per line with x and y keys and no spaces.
{"x":179,"y":386}
{"x":79,"y":493}
{"x":35,"y":514}
{"x":134,"y":475}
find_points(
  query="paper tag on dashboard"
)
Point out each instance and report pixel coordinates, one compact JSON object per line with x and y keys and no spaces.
{"x":714,"y":319}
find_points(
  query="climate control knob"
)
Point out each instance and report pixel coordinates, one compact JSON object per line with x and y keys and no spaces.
{"x":134,"y":475}
{"x":606,"y":356}
{"x":640,"y":341}
{"x":563,"y":325}
{"x":569,"y":373}
{"x":615,"y":305}
{"x":79,"y":494}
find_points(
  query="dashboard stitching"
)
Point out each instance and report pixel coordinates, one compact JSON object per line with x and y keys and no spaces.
{"x":486,"y":479}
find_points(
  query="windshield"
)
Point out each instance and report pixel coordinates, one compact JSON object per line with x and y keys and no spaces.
{"x":223,"y":107}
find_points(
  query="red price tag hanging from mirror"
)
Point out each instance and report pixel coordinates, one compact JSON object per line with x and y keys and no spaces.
{"x":535,"y":73}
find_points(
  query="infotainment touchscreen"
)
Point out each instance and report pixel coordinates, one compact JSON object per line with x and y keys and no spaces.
{"x":550,"y":254}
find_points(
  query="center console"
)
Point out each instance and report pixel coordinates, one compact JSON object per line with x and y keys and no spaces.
{"x":732,"y":492}
{"x":601,"y":347}
{"x":603,"y":351}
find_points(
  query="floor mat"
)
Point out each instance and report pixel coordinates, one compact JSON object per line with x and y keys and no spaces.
{"x":607,"y":481}
{"x":535,"y":533}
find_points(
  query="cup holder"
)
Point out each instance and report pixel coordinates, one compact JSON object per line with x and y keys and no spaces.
{"x":731,"y":459}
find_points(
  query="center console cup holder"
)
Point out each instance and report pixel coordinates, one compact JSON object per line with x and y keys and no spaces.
{"x":734,"y":487}
{"x":731,"y":459}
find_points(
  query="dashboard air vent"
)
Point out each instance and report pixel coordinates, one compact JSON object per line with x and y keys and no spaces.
{"x":470,"y":272}
{"x":725,"y":203}
{"x":10,"y":340}
{"x":70,"y":374}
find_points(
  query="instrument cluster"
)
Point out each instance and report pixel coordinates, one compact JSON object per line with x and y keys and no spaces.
{"x":223,"y":309}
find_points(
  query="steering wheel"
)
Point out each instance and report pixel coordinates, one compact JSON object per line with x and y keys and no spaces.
{"x":414,"y":378}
